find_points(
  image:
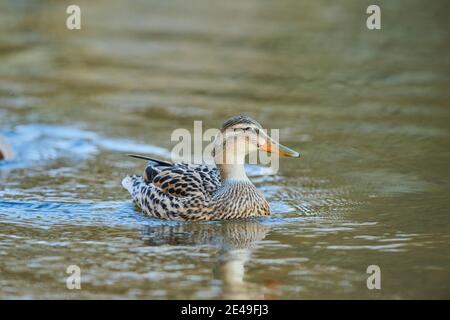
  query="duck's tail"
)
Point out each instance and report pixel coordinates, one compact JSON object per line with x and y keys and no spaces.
{"x":131,"y":183}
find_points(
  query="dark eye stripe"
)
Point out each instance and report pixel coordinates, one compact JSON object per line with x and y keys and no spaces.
{"x":247,"y":129}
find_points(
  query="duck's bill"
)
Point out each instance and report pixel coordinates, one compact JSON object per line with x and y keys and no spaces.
{"x":279,"y":149}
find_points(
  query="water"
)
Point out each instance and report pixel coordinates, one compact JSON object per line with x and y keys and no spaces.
{"x":367,"y":109}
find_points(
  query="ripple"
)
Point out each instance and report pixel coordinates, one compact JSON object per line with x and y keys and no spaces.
{"x":394,"y":247}
{"x":41,"y":143}
{"x":55,"y":213}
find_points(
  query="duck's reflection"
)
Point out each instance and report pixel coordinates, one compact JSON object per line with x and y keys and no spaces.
{"x":235,"y":240}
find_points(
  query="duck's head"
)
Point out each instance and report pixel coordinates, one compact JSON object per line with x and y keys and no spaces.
{"x":241,"y":135}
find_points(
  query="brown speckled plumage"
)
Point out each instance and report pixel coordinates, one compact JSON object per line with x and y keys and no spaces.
{"x":196,"y":192}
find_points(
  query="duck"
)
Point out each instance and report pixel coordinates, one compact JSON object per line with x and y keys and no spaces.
{"x":6,"y":151}
{"x":204,"y":192}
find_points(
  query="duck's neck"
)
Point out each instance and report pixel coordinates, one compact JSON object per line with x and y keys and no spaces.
{"x":232,"y":173}
{"x":232,"y":168}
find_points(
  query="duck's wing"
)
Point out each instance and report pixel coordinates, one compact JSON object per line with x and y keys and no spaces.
{"x":174,"y":191}
{"x":154,"y":166}
{"x":180,"y":179}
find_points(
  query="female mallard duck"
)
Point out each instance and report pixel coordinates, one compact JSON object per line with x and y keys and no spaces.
{"x":6,"y":152}
{"x":200,"y":192}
